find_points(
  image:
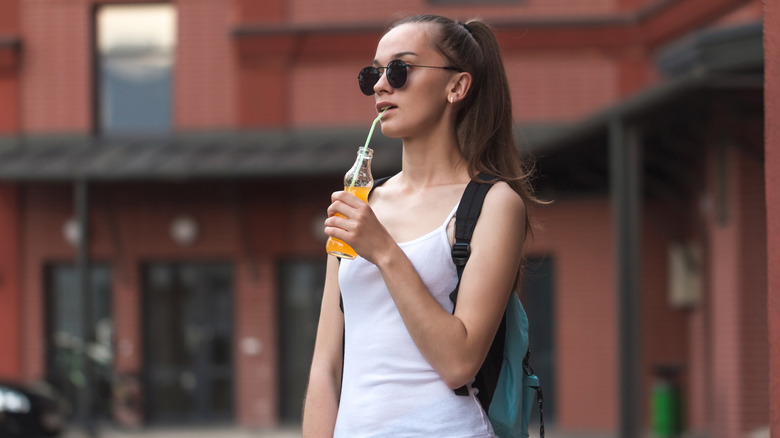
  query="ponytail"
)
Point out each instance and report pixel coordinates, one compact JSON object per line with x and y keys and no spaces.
{"x":484,"y":122}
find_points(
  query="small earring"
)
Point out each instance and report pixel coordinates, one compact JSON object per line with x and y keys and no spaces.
{"x":451,"y":98}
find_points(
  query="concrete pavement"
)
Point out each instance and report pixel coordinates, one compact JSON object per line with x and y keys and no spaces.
{"x":235,"y":432}
{"x":187,"y":432}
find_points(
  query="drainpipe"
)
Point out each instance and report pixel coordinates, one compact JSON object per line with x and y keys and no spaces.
{"x":626,"y":198}
{"x":81,"y":195}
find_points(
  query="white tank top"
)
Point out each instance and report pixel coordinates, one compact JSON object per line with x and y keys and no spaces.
{"x":389,"y":389}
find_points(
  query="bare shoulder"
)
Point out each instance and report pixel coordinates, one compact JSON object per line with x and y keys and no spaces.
{"x":503,"y":200}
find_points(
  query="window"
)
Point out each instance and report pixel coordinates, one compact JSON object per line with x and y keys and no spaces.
{"x":188,"y":342}
{"x":300,"y":296}
{"x":135,"y":58}
{"x":538,"y":297}
{"x":65,"y":340}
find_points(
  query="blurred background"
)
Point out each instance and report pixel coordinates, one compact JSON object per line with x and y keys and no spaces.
{"x":165,"y":168}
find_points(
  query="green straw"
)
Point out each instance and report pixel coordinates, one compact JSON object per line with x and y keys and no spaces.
{"x":363,"y":149}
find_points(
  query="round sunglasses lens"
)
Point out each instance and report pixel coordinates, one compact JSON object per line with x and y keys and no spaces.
{"x":396,"y":73}
{"x":367,"y":78}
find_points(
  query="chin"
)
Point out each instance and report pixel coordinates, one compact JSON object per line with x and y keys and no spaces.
{"x":388,"y":131}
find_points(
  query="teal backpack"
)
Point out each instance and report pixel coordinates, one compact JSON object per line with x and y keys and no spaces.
{"x":507,"y":386}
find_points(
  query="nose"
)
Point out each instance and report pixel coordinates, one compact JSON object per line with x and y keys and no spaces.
{"x":382,"y":84}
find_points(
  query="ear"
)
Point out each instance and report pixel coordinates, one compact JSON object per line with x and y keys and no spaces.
{"x":459,"y":86}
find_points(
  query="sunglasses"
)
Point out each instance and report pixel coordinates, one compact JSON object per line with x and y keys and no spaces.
{"x":396,"y":75}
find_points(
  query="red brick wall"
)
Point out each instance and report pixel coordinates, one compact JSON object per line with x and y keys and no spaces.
{"x":253,"y":11}
{"x":10,"y":290}
{"x":772,"y":169}
{"x":578,"y":235}
{"x":9,"y":19}
{"x":9,"y":94}
{"x":57,"y":78}
{"x":560,"y":86}
{"x":236,"y":229}
{"x":724,"y":302}
{"x":753,"y":286}
{"x":585,"y":311}
{"x":746,"y":13}
{"x":698,"y":391}
{"x":737,"y":321}
{"x":546,"y":87}
{"x":205,"y":76}
{"x":57,"y":85}
{"x":9,"y":68}
{"x":356,"y":11}
{"x":664,"y":329}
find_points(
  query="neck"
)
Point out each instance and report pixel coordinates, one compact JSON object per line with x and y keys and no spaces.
{"x":433,"y":160}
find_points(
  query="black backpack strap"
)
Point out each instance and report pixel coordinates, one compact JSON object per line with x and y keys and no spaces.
{"x":465,"y":222}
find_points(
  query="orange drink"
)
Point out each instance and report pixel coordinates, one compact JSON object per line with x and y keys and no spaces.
{"x":337,"y":247}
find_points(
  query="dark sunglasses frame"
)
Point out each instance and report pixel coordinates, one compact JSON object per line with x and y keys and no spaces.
{"x":396,"y":71}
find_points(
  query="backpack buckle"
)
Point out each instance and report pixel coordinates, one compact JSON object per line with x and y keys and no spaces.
{"x":460,"y":253}
{"x":527,"y":364}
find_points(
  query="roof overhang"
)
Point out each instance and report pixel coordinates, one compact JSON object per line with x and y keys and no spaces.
{"x":186,"y":156}
{"x":712,"y":94}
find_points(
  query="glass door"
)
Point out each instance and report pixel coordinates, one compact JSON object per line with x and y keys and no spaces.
{"x":538,"y":297}
{"x":188,"y":339}
{"x":300,"y":294}
{"x":65,"y":346}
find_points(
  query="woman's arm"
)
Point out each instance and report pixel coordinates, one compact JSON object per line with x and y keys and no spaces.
{"x":455,"y":345}
{"x":322,"y":395}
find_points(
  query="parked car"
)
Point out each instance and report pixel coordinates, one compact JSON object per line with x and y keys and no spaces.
{"x":34,"y":410}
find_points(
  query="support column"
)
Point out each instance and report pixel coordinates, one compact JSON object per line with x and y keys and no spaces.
{"x":85,"y":399}
{"x":772,"y":179}
{"x":10,"y":287}
{"x":626,"y":194}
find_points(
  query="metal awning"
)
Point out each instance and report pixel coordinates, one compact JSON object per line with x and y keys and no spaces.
{"x":206,"y":155}
{"x":230,"y":155}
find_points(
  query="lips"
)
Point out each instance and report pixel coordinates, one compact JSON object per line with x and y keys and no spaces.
{"x":381,"y":106}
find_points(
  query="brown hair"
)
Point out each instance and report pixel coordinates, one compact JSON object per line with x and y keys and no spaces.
{"x":484,"y":121}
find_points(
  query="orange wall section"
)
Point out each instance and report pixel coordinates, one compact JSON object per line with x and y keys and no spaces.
{"x":10,"y":286}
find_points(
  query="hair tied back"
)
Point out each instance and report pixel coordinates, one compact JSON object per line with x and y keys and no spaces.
{"x":466,"y":26}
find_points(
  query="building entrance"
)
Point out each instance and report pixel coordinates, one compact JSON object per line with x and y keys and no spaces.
{"x":188,"y":342}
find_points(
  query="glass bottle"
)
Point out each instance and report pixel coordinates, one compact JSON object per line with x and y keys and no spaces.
{"x":358,"y":181}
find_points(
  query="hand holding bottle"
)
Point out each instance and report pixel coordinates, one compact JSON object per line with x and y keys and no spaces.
{"x":359,"y":182}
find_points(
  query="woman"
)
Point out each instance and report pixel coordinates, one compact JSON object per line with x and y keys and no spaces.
{"x":446,"y":94}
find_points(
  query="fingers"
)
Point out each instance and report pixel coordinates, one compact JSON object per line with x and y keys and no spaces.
{"x":345,"y":204}
{"x":346,"y":215}
{"x":347,"y":198}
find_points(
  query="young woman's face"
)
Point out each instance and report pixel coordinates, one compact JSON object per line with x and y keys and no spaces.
{"x":422,"y":100}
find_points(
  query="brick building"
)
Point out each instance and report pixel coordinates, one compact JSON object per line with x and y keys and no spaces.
{"x":177,"y":167}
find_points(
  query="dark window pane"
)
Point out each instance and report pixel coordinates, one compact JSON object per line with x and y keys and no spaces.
{"x":538,"y":297}
{"x":65,"y":340}
{"x":188,"y":332}
{"x":300,"y":295}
